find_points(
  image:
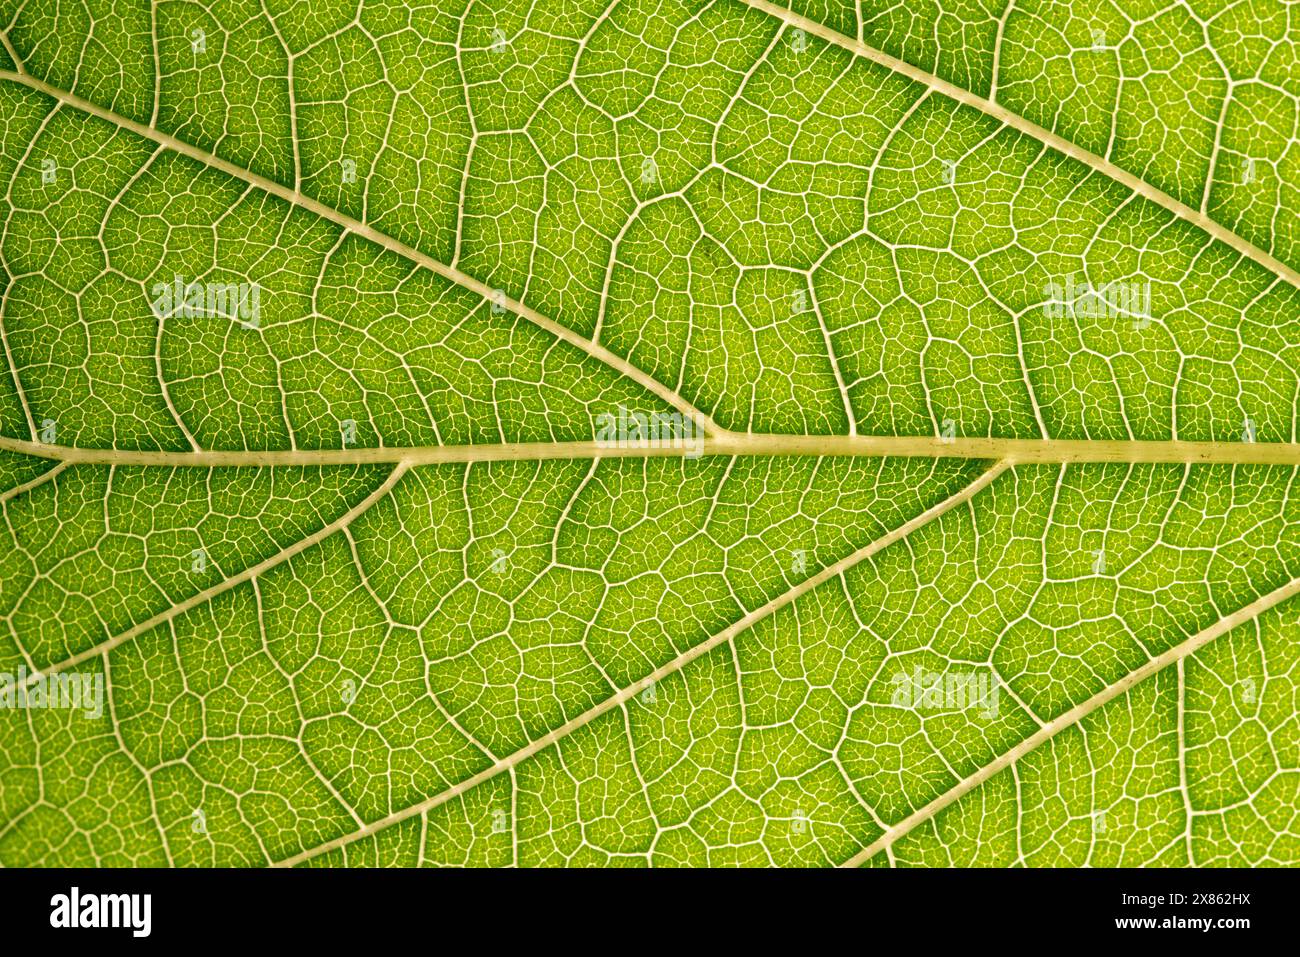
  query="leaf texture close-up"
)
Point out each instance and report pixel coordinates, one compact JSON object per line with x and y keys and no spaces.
{"x":659,"y":432}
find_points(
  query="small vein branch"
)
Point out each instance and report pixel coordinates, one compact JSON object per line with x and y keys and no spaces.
{"x":199,"y":598}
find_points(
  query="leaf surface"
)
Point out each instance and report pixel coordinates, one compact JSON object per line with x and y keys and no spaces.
{"x":976,"y":542}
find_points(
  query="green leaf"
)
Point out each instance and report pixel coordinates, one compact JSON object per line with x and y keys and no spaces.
{"x":676,"y":433}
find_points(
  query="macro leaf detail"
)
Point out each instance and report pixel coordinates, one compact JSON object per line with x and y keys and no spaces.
{"x":666,"y":432}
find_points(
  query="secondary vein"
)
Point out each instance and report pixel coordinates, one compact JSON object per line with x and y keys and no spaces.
{"x":1074,"y":716}
{"x":671,"y":667}
{"x":296,"y":198}
{"x":1055,"y":141}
